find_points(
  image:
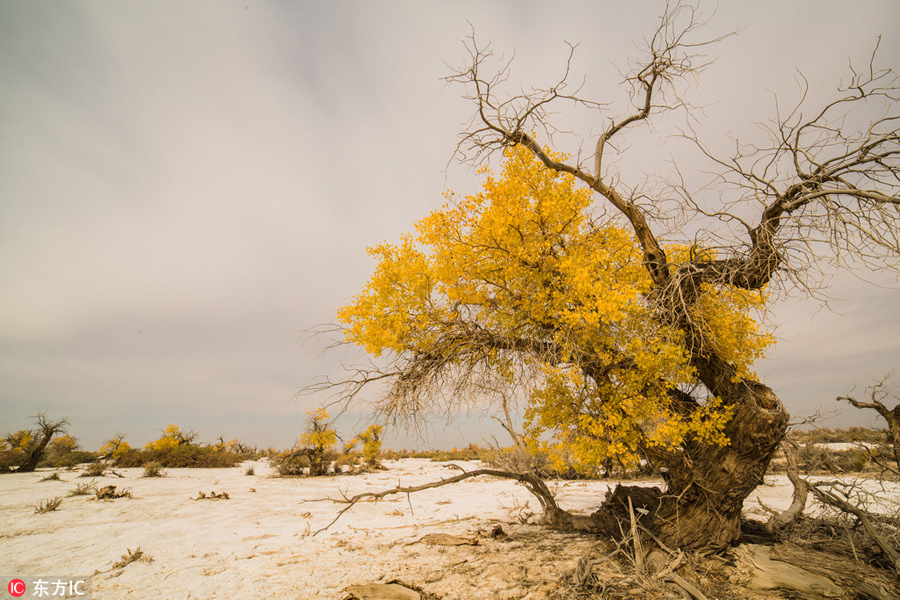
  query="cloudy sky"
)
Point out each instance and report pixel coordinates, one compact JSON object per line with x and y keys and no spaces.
{"x":188,"y":186}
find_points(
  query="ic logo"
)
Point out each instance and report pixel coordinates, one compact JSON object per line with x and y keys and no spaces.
{"x":16,"y":588}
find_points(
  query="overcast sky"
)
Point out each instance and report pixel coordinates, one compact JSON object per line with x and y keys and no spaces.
{"x":187,"y":186}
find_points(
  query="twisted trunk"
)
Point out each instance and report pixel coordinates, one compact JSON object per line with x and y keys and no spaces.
{"x":706,"y":485}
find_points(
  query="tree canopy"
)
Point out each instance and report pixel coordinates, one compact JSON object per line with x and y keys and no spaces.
{"x":522,"y":283}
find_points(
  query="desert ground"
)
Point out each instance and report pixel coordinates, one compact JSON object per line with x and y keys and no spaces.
{"x":268,"y":538}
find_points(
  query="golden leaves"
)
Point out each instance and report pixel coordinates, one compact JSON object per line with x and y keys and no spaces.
{"x":525,"y":262}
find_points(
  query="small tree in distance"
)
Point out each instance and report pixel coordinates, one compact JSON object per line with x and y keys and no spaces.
{"x":878,"y":394}
{"x":318,"y":440}
{"x":624,"y":311}
{"x":26,"y":448}
{"x":115,"y":449}
{"x":371,"y":441}
{"x":313,"y":454}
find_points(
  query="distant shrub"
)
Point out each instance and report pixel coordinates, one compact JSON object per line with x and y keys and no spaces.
{"x":153,"y":469}
{"x":177,"y":449}
{"x":825,"y":435}
{"x":63,"y":452}
{"x":250,"y":471}
{"x":306,"y":462}
{"x":96,"y":469}
{"x":182,"y":457}
{"x":818,"y":458}
{"x":348,"y":462}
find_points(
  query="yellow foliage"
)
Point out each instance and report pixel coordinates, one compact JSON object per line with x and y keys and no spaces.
{"x":371,"y":441}
{"x":171,"y":438}
{"x":115,"y":448}
{"x":320,"y":436}
{"x":525,"y":268}
{"x":20,"y":440}
{"x":63,"y":444}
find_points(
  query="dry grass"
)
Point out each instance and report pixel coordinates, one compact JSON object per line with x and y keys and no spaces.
{"x":47,"y":505}
{"x":137,"y":556}
{"x":84,"y":489}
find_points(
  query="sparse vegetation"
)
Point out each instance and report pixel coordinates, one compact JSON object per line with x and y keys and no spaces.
{"x":212,"y":496}
{"x":85,"y":488}
{"x":250,"y":471}
{"x":131,"y":557}
{"x":48,"y":505}
{"x":54,"y":476}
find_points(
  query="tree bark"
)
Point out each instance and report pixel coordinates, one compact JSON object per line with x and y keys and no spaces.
{"x":706,"y":485}
{"x":45,"y":432}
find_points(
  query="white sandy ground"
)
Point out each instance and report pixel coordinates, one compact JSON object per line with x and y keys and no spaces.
{"x":258,"y":544}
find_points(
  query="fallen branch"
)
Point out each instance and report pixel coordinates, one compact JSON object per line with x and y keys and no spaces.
{"x":831,"y":499}
{"x":534,"y":484}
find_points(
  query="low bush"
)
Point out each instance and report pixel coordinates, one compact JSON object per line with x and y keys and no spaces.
{"x":153,"y":469}
{"x":181,"y":456}
{"x":97,"y":469}
{"x":306,"y":462}
{"x":178,"y":449}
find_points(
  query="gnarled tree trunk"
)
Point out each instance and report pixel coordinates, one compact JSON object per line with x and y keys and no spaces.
{"x":706,"y":485}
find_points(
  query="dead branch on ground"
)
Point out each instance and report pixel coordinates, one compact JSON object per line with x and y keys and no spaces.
{"x":534,"y":484}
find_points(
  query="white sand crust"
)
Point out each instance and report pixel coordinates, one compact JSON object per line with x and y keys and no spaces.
{"x":259,"y":542}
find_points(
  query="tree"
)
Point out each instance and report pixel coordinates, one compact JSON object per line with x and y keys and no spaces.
{"x":625,"y":344}
{"x":173,"y":437}
{"x":371,"y":444}
{"x":27,"y":447}
{"x":878,"y":393}
{"x":314,"y":452}
{"x":115,"y":448}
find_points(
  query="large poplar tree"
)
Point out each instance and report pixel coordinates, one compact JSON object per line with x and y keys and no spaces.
{"x":555,"y":281}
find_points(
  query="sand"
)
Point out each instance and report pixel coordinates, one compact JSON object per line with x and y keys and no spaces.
{"x":260,"y":542}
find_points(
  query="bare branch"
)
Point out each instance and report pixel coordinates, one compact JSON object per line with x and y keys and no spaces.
{"x":827,"y":496}
{"x":534,"y":484}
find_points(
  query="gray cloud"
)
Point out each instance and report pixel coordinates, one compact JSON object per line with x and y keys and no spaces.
{"x":186,"y":187}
